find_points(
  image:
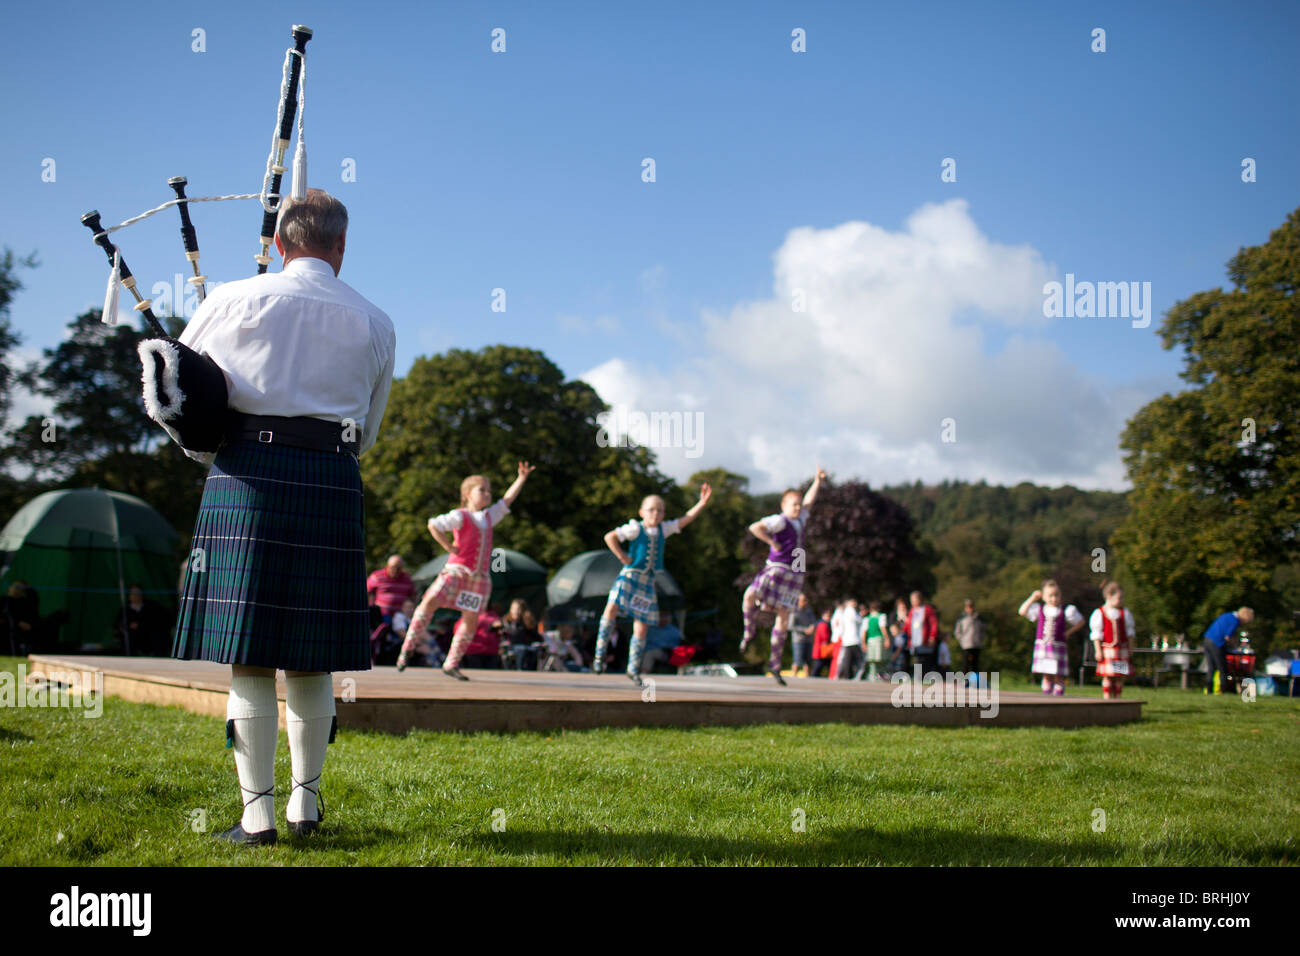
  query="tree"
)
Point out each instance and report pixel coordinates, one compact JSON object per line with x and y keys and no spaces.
{"x":464,"y":413}
{"x":1216,"y":469}
{"x":9,"y":339}
{"x":94,"y":377}
{"x":13,"y":491}
{"x":101,"y":435}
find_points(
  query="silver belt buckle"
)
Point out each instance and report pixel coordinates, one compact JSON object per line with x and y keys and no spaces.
{"x":265,"y":437}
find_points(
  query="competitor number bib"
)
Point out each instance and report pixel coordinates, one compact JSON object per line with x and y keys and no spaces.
{"x":1119,"y":667}
{"x":469,"y":601}
{"x":641,"y":604}
{"x":1048,"y":665}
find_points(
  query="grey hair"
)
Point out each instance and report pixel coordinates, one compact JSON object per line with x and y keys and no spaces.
{"x":314,"y":223}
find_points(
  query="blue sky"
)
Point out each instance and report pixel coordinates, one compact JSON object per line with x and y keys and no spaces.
{"x":522,"y":170}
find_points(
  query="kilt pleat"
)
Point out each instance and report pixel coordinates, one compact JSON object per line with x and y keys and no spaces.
{"x":634,"y":595}
{"x":778,"y":587}
{"x":277,"y":574}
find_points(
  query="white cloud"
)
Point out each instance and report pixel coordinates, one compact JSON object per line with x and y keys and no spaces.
{"x":892,"y":342}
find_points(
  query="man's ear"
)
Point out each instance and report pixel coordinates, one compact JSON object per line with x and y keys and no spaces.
{"x":342,"y":244}
{"x":279,"y":246}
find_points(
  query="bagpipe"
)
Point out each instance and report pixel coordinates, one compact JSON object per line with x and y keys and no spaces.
{"x":185,"y":392}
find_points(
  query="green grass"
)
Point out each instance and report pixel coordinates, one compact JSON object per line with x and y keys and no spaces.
{"x":1198,"y":782}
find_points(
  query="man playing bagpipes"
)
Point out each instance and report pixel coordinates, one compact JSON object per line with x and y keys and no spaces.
{"x":278,"y":383}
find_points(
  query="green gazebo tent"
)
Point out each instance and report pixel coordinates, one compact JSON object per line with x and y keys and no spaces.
{"x":80,"y":550}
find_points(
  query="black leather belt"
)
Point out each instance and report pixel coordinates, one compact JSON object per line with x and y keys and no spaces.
{"x":311,"y":433}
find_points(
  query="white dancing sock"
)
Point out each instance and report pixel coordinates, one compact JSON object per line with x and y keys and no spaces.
{"x":252,"y":708}
{"x":309,"y":712}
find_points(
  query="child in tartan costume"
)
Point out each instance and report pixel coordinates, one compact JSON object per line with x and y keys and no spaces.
{"x":466,"y":582}
{"x":778,"y":586}
{"x":633,"y":592}
{"x":1113,"y":630}
{"x":1054,"y":626}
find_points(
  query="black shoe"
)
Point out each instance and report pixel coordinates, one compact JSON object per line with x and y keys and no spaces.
{"x":636,"y":679}
{"x":304,"y":828}
{"x":237,"y":834}
{"x":779,"y":679}
{"x":454,"y":672}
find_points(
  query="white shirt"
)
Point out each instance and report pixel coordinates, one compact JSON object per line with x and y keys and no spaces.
{"x":1036,"y":610}
{"x":452,"y":520}
{"x":1098,"y":629}
{"x":846,"y":627}
{"x":629,"y":531}
{"x":299,"y":343}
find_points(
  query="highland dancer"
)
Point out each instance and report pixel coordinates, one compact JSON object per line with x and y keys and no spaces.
{"x":1113,"y":629}
{"x":778,"y":585}
{"x":633,"y":592}
{"x":465,"y":584}
{"x":1055,"y":626}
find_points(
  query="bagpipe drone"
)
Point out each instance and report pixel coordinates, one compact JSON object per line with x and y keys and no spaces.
{"x":185,"y":392}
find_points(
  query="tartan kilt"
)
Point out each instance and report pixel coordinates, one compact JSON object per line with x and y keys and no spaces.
{"x":283,"y":582}
{"x":455,"y":580}
{"x":1112,"y":654}
{"x":635,"y":584}
{"x":778,"y":587}
{"x":1051,"y":657}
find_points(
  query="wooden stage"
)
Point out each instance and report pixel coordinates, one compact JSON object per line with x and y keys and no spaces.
{"x":495,"y":700}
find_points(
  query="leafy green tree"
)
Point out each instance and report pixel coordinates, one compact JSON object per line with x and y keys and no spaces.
{"x":463,"y":413}
{"x":1216,"y":469}
{"x":101,"y":435}
{"x":14,"y":491}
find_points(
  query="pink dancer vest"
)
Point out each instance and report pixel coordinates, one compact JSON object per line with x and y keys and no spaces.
{"x":473,"y":547}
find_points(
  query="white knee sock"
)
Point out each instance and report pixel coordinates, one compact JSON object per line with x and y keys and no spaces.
{"x":309,"y":711}
{"x":252,"y":707}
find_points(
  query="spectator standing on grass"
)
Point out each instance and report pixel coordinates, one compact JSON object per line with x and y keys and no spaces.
{"x":969,"y":635}
{"x":821,"y":651}
{"x":923,"y":634}
{"x":802,"y":624}
{"x":390,"y":587}
{"x":846,"y":628}
{"x":1216,"y":641}
{"x":875,"y":625}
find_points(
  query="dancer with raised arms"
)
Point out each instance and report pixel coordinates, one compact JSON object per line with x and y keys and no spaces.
{"x":778,"y":586}
{"x":465,"y":584}
{"x":633,"y":592}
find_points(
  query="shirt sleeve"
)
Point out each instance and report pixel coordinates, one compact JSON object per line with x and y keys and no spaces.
{"x":498,"y":510}
{"x":1072,"y":616}
{"x":629,"y":531}
{"x":774,"y":523}
{"x":1035,"y":612}
{"x":379,"y":397}
{"x":1096,"y":626}
{"x":449,"y":522}
{"x":670,"y":527}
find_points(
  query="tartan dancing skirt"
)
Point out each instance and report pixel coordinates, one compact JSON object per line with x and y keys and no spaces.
{"x":634,"y":594}
{"x":1051,"y":657}
{"x":778,"y":587}
{"x":280,"y":580}
{"x":1114,"y":660}
{"x":461,"y":588}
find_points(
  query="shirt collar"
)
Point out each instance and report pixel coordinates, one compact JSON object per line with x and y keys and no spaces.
{"x":310,"y":264}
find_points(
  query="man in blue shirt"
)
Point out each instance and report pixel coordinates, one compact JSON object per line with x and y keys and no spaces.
{"x":1216,"y":638}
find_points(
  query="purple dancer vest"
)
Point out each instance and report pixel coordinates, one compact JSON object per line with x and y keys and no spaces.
{"x":1056,"y":635}
{"x":788,"y":540}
